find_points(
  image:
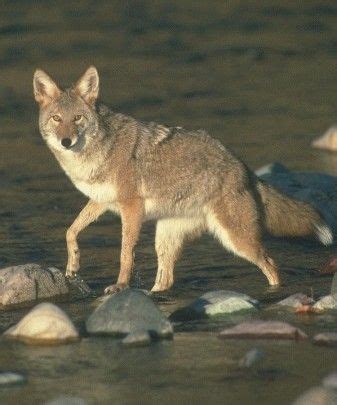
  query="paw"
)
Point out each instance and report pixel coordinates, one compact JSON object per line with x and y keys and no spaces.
{"x":160,"y":287}
{"x":115,"y":288}
{"x":70,"y":273}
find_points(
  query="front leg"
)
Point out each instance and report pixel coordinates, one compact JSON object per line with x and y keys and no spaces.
{"x":131,"y":212}
{"x":89,"y":214}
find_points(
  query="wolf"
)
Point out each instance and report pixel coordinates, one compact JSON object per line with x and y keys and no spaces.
{"x":185,"y":180}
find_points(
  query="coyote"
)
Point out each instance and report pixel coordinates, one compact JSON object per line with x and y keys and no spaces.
{"x":185,"y":180}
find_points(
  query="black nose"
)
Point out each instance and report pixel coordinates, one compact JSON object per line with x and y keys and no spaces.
{"x":66,"y":142}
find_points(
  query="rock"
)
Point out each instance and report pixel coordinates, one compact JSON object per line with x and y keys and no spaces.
{"x":326,"y":339}
{"x":271,"y":169}
{"x":219,"y":302}
{"x":327,"y":302}
{"x":263,"y":330}
{"x":66,"y":400}
{"x":317,"y":396}
{"x":317,"y":189}
{"x":137,"y":338}
{"x":327,"y":141}
{"x":126,"y":312}
{"x":30,"y":282}
{"x":296,"y":301}
{"x":9,"y":378}
{"x":330,"y":381}
{"x":45,"y":323}
{"x":251,"y":358}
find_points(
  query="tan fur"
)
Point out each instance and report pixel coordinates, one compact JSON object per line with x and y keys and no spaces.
{"x":186,"y":180}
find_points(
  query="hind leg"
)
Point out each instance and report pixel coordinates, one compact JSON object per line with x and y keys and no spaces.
{"x":237,"y":226}
{"x":170,"y":236}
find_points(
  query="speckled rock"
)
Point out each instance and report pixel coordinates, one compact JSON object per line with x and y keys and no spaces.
{"x":126,"y":312}
{"x":263,"y":330}
{"x":326,"y":339}
{"x":219,"y":302}
{"x":45,"y":323}
{"x":30,"y":282}
{"x":326,"y":303}
{"x":296,"y":300}
{"x":327,"y":141}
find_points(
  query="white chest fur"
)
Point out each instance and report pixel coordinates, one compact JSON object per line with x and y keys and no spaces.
{"x":99,"y":192}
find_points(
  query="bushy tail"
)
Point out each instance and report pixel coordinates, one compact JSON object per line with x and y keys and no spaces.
{"x":285,"y":216}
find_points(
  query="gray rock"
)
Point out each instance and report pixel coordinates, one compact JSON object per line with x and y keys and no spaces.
{"x":126,"y":312}
{"x":325,"y":303}
{"x":66,"y":400}
{"x":326,"y":339}
{"x":251,"y":358}
{"x":137,"y":338}
{"x":317,"y":396}
{"x":317,"y":189}
{"x":327,"y":141}
{"x":263,"y":330}
{"x":30,"y":282}
{"x":219,"y":302}
{"x":10,"y":378}
{"x":45,"y":323}
{"x":296,"y":300}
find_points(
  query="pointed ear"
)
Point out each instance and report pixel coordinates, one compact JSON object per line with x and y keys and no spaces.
{"x":45,"y":89}
{"x":88,"y":85}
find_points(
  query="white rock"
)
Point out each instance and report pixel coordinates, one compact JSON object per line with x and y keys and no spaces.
{"x":327,"y":302}
{"x":10,"y":378}
{"x":327,"y":141}
{"x":296,"y":300}
{"x":44,"y":323}
{"x":330,"y":381}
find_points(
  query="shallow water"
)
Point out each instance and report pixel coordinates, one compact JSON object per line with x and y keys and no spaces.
{"x":260,"y":76}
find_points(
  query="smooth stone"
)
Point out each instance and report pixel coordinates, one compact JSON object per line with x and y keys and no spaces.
{"x":30,"y":282}
{"x":10,"y":378}
{"x":296,"y":300}
{"x":138,"y":338}
{"x":218,"y":302}
{"x":327,"y":141}
{"x":326,"y":339}
{"x":317,"y":396}
{"x":317,"y":189}
{"x":263,"y":330}
{"x":327,"y":302}
{"x":45,"y":323}
{"x":251,"y":358}
{"x":126,"y":312}
{"x":330,"y":381}
{"x":66,"y":400}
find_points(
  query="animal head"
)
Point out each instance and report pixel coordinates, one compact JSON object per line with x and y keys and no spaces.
{"x":68,"y":119}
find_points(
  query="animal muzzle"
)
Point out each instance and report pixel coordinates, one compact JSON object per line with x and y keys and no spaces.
{"x":68,"y":142}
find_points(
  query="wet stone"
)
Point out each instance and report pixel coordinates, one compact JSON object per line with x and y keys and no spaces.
{"x":326,"y":339}
{"x":219,"y":302}
{"x":296,"y":301}
{"x":137,"y":338}
{"x":30,"y":282}
{"x":263,"y":330}
{"x":126,"y":312}
{"x":45,"y":324}
{"x":326,"y":303}
{"x":10,"y":378}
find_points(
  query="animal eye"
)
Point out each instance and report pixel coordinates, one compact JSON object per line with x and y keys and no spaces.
{"x":56,"y":118}
{"x":78,"y":117}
